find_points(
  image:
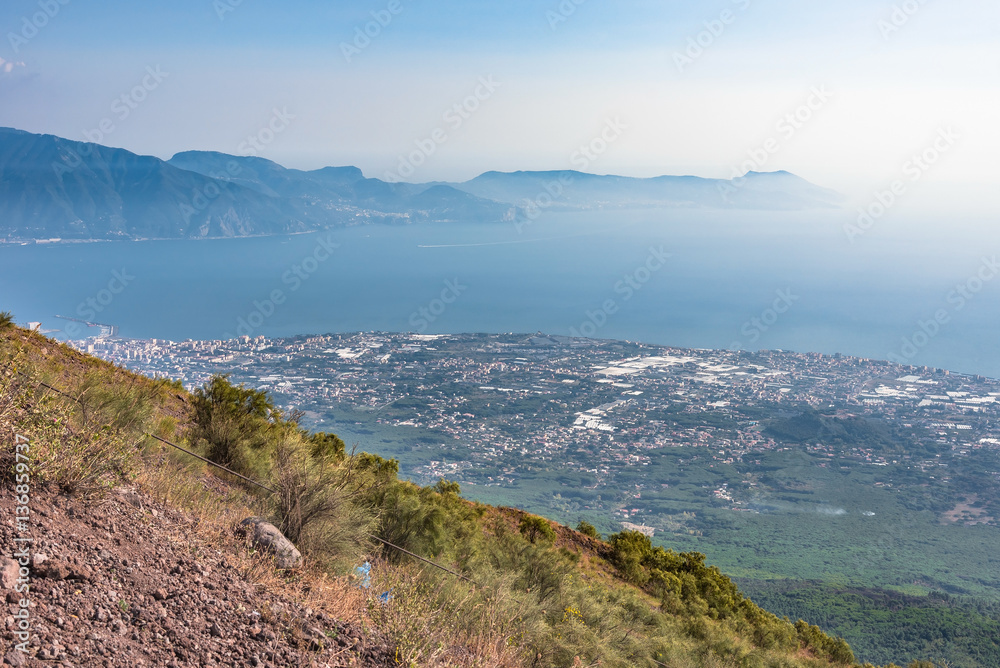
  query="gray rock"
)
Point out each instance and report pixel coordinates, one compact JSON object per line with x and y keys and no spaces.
{"x":266,"y":536}
{"x":9,"y":570}
{"x":15,"y":658}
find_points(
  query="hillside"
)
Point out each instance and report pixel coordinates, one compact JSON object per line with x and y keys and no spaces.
{"x":143,"y":537}
{"x":56,"y":188}
{"x":52,"y":187}
{"x":572,"y":190}
{"x":144,"y":584}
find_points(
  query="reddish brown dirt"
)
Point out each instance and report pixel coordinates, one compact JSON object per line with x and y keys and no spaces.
{"x":128,"y":582}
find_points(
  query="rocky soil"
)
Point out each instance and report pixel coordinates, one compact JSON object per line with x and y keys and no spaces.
{"x":128,"y":582}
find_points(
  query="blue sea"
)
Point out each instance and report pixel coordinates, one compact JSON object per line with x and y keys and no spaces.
{"x":920,"y":291}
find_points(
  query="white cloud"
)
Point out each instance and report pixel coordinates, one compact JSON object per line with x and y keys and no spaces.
{"x":7,"y":66}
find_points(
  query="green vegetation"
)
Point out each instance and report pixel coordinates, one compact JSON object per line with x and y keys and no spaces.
{"x":685,"y":584}
{"x":587,"y":529}
{"x":790,"y":529}
{"x":562,"y":612}
{"x":883,"y":625}
{"x":813,"y":427}
{"x":536,"y":529}
{"x":534,"y":594}
{"x":6,"y":320}
{"x":86,"y":443}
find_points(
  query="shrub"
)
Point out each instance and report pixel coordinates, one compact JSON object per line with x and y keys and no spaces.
{"x":86,"y":446}
{"x":410,"y":519}
{"x":315,"y":505}
{"x":446,"y":487}
{"x":124,"y":407}
{"x":330,"y":447}
{"x":629,"y":549}
{"x":587,"y":529}
{"x":235,"y":426}
{"x":170,"y":384}
{"x":536,"y":528}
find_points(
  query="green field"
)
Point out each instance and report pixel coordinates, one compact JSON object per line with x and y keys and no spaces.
{"x":820,"y":537}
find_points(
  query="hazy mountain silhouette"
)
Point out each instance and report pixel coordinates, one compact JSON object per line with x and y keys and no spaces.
{"x":53,"y":187}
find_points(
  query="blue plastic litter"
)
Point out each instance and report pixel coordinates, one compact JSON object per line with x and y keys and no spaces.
{"x":363,"y":573}
{"x":385,"y":597}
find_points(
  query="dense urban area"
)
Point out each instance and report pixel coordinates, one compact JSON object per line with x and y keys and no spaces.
{"x":491,"y":410}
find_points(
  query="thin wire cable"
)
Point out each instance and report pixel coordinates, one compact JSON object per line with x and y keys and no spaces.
{"x":417,"y":556}
{"x":209,"y":461}
{"x":254,"y":482}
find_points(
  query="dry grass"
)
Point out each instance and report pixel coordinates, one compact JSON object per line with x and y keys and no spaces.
{"x":435,"y":621}
{"x":216,"y":507}
{"x":445,"y":622}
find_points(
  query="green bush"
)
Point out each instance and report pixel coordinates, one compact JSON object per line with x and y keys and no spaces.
{"x":446,"y":487}
{"x":587,"y":529}
{"x":536,"y":529}
{"x":686,"y":586}
{"x":409,"y":519}
{"x":86,"y":446}
{"x":235,"y":426}
{"x":329,"y":447}
{"x":316,"y":507}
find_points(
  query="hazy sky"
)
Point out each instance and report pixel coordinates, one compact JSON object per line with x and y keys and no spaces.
{"x":884,"y":80}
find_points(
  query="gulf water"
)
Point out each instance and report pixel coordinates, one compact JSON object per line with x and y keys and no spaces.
{"x":924,"y":291}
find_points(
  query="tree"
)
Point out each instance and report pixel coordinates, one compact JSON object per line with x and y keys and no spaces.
{"x":236,"y":425}
{"x":324,"y":445}
{"x":446,"y":487}
{"x":536,"y":528}
{"x":587,"y":529}
{"x":6,"y":320}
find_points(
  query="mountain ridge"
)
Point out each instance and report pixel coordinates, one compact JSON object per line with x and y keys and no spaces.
{"x":57,"y":188}
{"x":529,"y":592}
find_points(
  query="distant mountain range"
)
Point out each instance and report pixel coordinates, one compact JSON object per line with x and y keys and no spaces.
{"x":58,"y":188}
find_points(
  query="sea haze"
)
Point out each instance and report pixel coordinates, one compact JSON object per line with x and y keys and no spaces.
{"x":562,"y":273}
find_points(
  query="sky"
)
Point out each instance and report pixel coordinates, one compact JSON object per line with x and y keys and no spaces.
{"x":848,"y":95}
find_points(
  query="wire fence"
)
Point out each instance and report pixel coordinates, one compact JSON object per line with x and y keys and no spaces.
{"x":246,"y":479}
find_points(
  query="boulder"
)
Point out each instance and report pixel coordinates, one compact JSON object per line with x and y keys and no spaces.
{"x":9,"y":571}
{"x":266,"y":536}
